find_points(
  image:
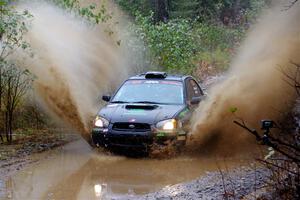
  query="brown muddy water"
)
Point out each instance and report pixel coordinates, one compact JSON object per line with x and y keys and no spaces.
{"x":78,"y":172}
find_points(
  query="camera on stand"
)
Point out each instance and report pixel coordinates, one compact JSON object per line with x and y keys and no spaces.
{"x":267,"y":124}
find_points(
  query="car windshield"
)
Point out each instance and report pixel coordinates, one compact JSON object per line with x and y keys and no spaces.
{"x":150,"y":91}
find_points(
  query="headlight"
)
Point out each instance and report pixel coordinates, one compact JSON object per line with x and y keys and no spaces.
{"x":167,"y":125}
{"x":101,"y":122}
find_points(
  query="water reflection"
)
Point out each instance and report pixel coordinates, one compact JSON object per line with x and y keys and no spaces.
{"x":98,"y":189}
{"x":2,"y":190}
{"x":79,"y":173}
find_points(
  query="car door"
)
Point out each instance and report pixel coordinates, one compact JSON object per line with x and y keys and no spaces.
{"x":193,"y":91}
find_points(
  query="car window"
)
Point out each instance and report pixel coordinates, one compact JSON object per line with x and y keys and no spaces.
{"x":159,"y":91}
{"x":193,"y":89}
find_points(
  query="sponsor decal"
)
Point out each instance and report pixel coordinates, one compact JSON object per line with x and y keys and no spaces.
{"x":183,"y":113}
{"x":161,"y":134}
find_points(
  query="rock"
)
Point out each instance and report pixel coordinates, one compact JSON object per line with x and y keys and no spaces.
{"x":239,"y":183}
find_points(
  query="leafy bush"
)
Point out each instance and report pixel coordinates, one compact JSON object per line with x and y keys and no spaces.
{"x":217,"y":43}
{"x":181,"y":44}
{"x":255,"y":8}
{"x":144,"y":7}
{"x":92,"y":13}
{"x":170,"y":45}
{"x":217,"y":36}
{"x":195,"y":36}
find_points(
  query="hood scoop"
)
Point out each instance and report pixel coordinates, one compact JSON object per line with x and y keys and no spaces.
{"x":143,"y":107}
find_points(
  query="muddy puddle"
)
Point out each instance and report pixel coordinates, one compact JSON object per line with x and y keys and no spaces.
{"x":78,"y":172}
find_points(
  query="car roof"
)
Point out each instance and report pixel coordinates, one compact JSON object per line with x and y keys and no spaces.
{"x":164,"y":76}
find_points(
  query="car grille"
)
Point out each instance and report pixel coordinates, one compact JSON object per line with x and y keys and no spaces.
{"x":135,"y":127}
{"x":130,"y":140}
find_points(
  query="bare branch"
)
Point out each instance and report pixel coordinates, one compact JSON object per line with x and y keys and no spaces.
{"x":291,"y":4}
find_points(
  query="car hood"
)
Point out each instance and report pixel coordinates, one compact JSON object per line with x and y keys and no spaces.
{"x":139,"y":113}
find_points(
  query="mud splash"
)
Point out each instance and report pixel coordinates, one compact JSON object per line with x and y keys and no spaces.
{"x":75,"y":62}
{"x":254,"y":85}
{"x":64,"y":105}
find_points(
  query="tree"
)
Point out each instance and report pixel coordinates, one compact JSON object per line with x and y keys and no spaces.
{"x":16,"y":83}
{"x":13,"y":26}
{"x":12,"y":29}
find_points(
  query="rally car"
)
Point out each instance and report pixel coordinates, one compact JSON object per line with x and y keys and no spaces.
{"x":150,"y":108}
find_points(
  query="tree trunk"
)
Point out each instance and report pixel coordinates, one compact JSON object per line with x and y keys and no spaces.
{"x":7,"y":110}
{"x":37,"y":120}
{"x":1,"y":91}
{"x":6,"y":126}
{"x":161,"y":10}
{"x":236,"y":10}
{"x":1,"y":138}
{"x":10,"y":125}
{"x":1,"y":97}
{"x":1,"y":86}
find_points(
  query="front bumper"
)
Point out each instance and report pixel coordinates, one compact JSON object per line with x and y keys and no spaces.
{"x":131,"y":139}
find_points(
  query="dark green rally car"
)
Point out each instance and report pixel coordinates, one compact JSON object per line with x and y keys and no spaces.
{"x":150,"y":108}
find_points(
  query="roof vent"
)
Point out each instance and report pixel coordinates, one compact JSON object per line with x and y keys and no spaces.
{"x":156,"y":75}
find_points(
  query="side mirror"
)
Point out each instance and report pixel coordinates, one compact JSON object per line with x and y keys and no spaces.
{"x":106,"y":98}
{"x":195,"y":100}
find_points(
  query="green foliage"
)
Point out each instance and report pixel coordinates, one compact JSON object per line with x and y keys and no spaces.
{"x":91,"y":12}
{"x":170,"y":45}
{"x":195,"y":32}
{"x":203,"y":10}
{"x":144,"y":7}
{"x":255,"y":8}
{"x":233,"y":109}
{"x":217,"y":43}
{"x":176,"y":8}
{"x":13,"y":26}
{"x":214,"y":36}
{"x":180,"y":44}
{"x":2,"y":3}
{"x":194,"y":9}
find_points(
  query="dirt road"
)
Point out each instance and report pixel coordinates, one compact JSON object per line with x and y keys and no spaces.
{"x":77,"y":172}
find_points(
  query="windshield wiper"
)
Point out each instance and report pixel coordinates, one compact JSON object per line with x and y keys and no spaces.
{"x":119,"y":102}
{"x":150,"y":102}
